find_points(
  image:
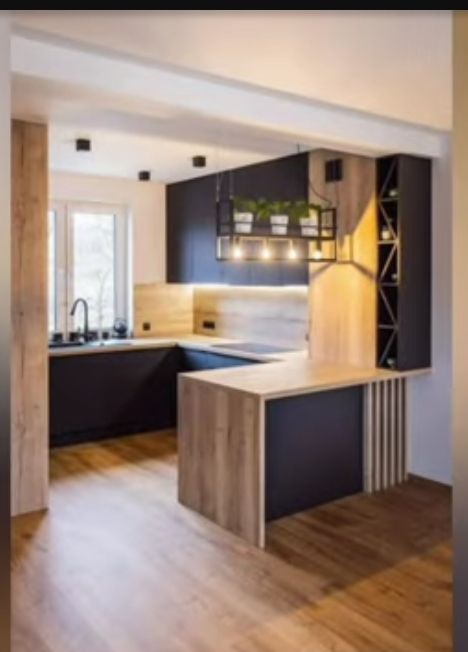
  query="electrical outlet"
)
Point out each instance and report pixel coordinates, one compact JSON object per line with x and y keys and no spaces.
{"x":146,"y":326}
{"x":209,"y":324}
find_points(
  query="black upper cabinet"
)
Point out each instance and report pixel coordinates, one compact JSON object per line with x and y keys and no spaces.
{"x":404,"y":254}
{"x":191,"y":224}
{"x":178,"y":225}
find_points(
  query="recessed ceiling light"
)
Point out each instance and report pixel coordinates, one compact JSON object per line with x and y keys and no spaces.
{"x":199,"y":161}
{"x":83,"y":145}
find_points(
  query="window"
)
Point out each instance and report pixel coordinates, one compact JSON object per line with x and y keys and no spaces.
{"x":87,"y":258}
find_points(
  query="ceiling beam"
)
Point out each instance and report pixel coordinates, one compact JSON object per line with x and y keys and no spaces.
{"x":297,"y":118}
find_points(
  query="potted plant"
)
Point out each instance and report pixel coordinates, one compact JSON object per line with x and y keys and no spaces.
{"x":262,"y":210}
{"x":279,"y":217}
{"x":308,"y":216}
{"x":244,"y":211}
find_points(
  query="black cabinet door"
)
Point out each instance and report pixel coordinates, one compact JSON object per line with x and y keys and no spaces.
{"x":107,"y":394}
{"x":179,"y":245}
{"x":206,"y":268}
{"x":194,"y":360}
{"x":191,"y":223}
{"x":191,"y":232}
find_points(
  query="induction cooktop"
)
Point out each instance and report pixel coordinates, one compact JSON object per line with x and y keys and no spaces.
{"x":254,"y":347}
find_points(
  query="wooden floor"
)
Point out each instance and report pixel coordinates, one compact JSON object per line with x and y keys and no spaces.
{"x":117,"y":565}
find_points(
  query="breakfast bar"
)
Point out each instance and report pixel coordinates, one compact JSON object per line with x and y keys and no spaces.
{"x":261,"y":442}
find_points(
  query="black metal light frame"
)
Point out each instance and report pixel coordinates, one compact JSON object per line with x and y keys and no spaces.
{"x":262,"y":231}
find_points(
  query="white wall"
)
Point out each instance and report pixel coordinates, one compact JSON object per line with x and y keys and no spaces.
{"x":146,"y":203}
{"x":430,"y":398}
{"x":460,"y":326}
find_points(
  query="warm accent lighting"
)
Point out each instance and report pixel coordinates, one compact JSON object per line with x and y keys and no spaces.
{"x":318,"y":254}
{"x":292,"y":253}
{"x":266,"y":252}
{"x":238,"y":252}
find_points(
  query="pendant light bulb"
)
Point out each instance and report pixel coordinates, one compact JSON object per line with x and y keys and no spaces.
{"x":266,"y":251}
{"x":318,"y":254}
{"x":238,"y":252}
{"x":292,"y":252}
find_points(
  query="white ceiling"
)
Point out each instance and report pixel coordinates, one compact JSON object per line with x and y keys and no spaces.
{"x":121,"y":154}
{"x":394,"y":63}
{"x":129,"y":135}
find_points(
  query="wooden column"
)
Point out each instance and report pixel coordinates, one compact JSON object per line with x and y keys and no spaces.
{"x":30,"y":431}
{"x":342,"y":295}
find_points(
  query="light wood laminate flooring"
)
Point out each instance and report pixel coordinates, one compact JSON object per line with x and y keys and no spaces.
{"x":117,"y":565}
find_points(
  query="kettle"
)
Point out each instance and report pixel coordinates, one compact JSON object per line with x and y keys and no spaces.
{"x":120,"y":328}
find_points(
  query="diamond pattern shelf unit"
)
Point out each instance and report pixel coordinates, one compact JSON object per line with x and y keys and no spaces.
{"x":404,"y":262}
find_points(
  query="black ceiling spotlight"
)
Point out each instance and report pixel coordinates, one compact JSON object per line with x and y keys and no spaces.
{"x":144,"y":175}
{"x":83,"y":145}
{"x":199,"y":161}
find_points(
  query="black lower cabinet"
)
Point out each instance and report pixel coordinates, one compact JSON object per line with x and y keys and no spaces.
{"x":193,"y":360}
{"x":313,"y":450}
{"x":99,"y":395}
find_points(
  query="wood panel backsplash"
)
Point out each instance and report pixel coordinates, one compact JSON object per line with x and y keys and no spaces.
{"x":30,"y":418}
{"x":343,"y":295}
{"x":258,"y":314}
{"x":167,"y":308}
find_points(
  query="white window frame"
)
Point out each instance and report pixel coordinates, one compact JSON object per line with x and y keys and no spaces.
{"x":64,"y":295}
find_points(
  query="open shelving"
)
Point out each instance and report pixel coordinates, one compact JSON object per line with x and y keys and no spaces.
{"x":404,"y":262}
{"x":313,"y":242}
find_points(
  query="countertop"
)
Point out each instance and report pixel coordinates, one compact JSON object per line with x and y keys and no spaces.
{"x":287,"y":373}
{"x":200,"y":342}
{"x":295,"y":375}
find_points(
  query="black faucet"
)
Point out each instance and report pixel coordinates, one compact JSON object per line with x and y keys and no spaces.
{"x":85,"y":313}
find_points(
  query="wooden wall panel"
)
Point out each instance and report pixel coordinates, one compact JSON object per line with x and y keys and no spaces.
{"x":271,"y":315}
{"x":221,"y":457}
{"x":342,"y":295}
{"x":30,"y":438}
{"x":167,"y":307}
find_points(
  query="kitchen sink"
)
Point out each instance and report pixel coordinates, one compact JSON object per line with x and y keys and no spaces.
{"x":64,"y":345}
{"x":93,"y":344}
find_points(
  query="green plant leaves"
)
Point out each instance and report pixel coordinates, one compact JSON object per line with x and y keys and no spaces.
{"x":262,"y":209}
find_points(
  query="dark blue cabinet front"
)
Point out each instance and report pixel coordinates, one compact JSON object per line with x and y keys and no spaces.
{"x":194,"y":360}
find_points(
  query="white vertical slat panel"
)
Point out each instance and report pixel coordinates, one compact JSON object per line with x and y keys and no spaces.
{"x":384,"y":435}
{"x":368,"y":451}
{"x":378,"y":438}
{"x":392,"y":387}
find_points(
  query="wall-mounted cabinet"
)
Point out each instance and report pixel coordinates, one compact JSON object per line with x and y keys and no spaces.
{"x":404,"y":262}
{"x":191,"y":224}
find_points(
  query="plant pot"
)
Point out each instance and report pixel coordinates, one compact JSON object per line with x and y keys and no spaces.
{"x":309,"y":225}
{"x":279,"y":224}
{"x":243,"y":222}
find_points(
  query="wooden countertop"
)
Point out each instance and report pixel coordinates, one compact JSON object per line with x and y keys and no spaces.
{"x":201,"y":342}
{"x":286,"y":374}
{"x":294,"y":375}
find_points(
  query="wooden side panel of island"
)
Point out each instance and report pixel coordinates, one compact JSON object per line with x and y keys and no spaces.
{"x":221,"y":457}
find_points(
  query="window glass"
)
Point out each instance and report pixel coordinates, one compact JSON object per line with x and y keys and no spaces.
{"x":93,"y":273}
